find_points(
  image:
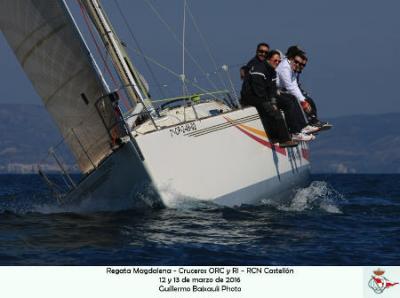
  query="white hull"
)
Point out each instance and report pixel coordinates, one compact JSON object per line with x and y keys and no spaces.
{"x":225,"y":159}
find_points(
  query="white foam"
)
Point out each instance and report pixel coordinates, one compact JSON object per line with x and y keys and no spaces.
{"x":176,"y":200}
{"x":319,"y":195}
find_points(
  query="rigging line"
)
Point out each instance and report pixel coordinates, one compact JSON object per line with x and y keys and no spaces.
{"x":208,"y":49}
{"x":152,"y":60}
{"x":184,"y":89}
{"x":139,"y":48}
{"x":86,"y":19}
{"x":230,"y":81}
{"x":180,"y":42}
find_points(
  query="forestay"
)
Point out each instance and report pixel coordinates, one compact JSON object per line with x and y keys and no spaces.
{"x":54,"y":57}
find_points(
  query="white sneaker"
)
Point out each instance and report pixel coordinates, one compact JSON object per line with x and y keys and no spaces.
{"x":310,"y":129}
{"x":303,"y":137}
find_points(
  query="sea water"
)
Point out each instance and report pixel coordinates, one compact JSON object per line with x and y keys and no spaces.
{"x":336,"y":220}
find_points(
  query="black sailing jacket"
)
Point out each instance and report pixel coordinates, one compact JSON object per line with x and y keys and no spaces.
{"x":260,"y":81}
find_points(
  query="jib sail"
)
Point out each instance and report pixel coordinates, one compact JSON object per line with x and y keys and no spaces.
{"x":52,"y":53}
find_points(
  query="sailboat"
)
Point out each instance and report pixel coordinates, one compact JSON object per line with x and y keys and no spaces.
{"x":205,"y":149}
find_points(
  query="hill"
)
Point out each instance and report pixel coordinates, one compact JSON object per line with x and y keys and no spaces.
{"x":359,"y":144}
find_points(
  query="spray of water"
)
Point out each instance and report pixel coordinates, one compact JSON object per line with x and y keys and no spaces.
{"x":176,"y":200}
{"x":319,"y":195}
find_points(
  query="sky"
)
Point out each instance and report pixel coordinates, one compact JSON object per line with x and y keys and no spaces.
{"x":352,"y":47}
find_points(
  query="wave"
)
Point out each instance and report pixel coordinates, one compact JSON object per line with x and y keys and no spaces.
{"x":319,"y":195}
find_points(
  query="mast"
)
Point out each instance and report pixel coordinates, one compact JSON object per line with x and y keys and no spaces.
{"x":136,"y":89}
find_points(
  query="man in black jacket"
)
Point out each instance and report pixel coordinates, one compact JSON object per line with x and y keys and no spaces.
{"x":261,"y":53}
{"x":259,"y":90}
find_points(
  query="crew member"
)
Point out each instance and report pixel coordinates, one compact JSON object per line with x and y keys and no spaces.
{"x":261,"y":52}
{"x":287,"y":84}
{"x":259,"y":90}
{"x":293,"y":114}
{"x":312,"y":116}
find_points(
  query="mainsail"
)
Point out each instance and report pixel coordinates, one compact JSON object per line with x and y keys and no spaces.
{"x":52,"y":53}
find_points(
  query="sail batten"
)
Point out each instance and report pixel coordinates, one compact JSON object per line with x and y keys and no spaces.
{"x":31,"y":34}
{"x":40,"y":42}
{"x":55,"y":58}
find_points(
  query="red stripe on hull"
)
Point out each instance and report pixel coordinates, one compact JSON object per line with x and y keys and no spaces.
{"x":263,"y":142}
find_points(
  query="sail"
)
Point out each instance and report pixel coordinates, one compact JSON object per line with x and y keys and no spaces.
{"x":52,"y":53}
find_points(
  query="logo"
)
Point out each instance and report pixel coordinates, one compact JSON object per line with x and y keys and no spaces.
{"x":378,"y":283}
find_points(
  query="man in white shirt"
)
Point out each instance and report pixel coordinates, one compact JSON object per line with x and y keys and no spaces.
{"x":293,"y":113}
{"x":287,"y":79}
{"x":312,"y":117}
{"x":288,"y":86}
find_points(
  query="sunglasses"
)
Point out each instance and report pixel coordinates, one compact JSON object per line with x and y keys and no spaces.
{"x":262,"y":52}
{"x":276,"y":61}
{"x":299,"y":63}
